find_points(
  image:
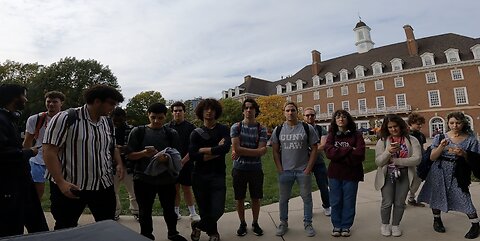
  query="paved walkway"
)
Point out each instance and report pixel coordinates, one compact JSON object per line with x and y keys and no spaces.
{"x":416,"y":223}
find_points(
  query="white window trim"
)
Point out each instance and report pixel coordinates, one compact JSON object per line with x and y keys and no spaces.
{"x":299,"y":98}
{"x":316,"y":95}
{"x":316,"y":80}
{"x":453,"y":52}
{"x":317,"y":110}
{"x":359,"y":105}
{"x":434,"y":74}
{"x":396,"y":62}
{"x":430,"y":98}
{"x":461,"y":73}
{"x":426,"y":56}
{"x":289,"y":98}
{"x":456,"y":97}
{"x":359,"y":69}
{"x":377,"y":64}
{"x":343,"y":75}
{"x":300,"y":84}
{"x":329,"y":78}
{"x":476,"y":51}
{"x":279,"y":89}
{"x":347,"y":104}
{"x":358,"y":88}
{"x":333,"y":108}
{"x":344,"y":90}
{"x":380,"y":82}
{"x":398,"y":80}
{"x":405,"y":100}
{"x":384,"y":103}
{"x":329,"y":93}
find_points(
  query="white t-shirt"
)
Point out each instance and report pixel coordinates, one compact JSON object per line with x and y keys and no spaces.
{"x":30,"y":128}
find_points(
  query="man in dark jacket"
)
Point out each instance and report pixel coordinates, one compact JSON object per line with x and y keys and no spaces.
{"x":19,"y":203}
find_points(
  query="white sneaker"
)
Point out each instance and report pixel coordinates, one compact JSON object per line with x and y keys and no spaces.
{"x":327,"y":211}
{"x":282,"y":229}
{"x":179,"y":216}
{"x":396,"y":231}
{"x":385,"y":230}
{"x":195,"y":217}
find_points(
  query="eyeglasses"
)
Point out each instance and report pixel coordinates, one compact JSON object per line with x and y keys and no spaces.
{"x":310,"y":115}
{"x":177,"y":110}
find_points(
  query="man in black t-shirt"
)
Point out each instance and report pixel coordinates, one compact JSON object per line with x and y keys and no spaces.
{"x":415,"y":122}
{"x":184,"y":129}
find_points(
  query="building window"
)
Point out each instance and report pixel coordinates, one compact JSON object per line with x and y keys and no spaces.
{"x":377,"y":68}
{"x":476,"y":51}
{"x":427,"y":59}
{"x":431,"y":77}
{"x":329,"y":78}
{"x":300,"y":84}
{"x":299,"y":98}
{"x":330,"y":108}
{"x":343,"y":75}
{"x":289,"y":87}
{"x":289,"y":98}
{"x":346,"y":105}
{"x":452,"y":55}
{"x":434,"y":98}
{"x":316,"y":95}
{"x":362,"y":105}
{"x":361,"y":88}
{"x":316,"y":80}
{"x":359,"y":71}
{"x":401,"y":101}
{"x":396,"y":64}
{"x":329,"y":93}
{"x":457,"y":74}
{"x":398,"y":82}
{"x":344,"y":90}
{"x":380,"y":102}
{"x":379,"y":85}
{"x":317,"y":110}
{"x":461,"y":97}
{"x":279,"y":89}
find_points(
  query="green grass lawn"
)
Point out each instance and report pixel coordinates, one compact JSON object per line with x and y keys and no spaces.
{"x":270,"y":186}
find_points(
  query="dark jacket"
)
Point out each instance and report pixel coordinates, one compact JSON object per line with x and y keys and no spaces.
{"x":345,"y":162}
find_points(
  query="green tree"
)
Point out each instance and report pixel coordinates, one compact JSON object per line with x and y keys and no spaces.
{"x":138,"y":105}
{"x":271,"y":111}
{"x":232,"y":111}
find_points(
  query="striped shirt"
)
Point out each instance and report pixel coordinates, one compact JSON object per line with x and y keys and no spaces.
{"x":84,"y":149}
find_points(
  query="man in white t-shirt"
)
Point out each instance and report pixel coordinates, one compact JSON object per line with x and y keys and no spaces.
{"x":35,"y":129}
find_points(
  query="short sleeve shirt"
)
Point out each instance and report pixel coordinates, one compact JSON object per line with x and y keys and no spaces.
{"x":250,"y":137}
{"x":30,"y":128}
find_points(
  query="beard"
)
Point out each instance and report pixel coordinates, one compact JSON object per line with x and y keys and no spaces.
{"x":19,"y":104}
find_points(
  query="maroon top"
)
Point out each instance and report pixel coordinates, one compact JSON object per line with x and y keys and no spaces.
{"x":345,"y":162}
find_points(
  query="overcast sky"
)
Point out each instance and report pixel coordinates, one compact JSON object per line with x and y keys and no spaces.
{"x":192,"y":48}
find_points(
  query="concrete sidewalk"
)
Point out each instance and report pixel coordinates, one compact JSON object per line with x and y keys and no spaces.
{"x":416,"y":223}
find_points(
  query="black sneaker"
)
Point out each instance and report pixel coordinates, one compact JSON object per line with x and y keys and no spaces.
{"x":195,"y":236}
{"x":177,"y":237}
{"x":242,"y":230}
{"x":438,"y":225}
{"x":256,"y":229}
{"x":473,"y":232}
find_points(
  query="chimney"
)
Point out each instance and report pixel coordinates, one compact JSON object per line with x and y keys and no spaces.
{"x":411,"y":42}
{"x":247,"y":78}
{"x":316,"y":62}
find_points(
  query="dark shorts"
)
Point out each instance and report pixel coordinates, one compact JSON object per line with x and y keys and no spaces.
{"x":185,"y":176}
{"x":254,"y":180}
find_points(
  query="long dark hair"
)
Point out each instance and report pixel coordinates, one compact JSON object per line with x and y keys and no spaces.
{"x":350,"y":123}
{"x":384,"y":133}
{"x":466,"y":128}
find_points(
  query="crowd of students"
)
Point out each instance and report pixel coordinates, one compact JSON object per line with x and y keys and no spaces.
{"x":86,"y":152}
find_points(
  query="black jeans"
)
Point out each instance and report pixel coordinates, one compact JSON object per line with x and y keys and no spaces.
{"x":19,"y":207}
{"x":67,"y":211}
{"x":145,"y":194}
{"x":210,"y":191}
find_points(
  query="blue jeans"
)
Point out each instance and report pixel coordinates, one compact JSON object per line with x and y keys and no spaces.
{"x":320,"y":172}
{"x":286,"y":179}
{"x":343,"y":198}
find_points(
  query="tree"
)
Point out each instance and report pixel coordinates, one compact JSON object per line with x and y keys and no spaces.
{"x":271,"y":111}
{"x":232,"y":111}
{"x":138,"y":105}
{"x":72,"y":77}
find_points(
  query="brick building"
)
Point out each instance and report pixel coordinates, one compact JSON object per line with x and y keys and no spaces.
{"x":431,"y":76}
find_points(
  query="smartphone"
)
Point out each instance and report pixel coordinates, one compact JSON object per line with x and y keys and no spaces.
{"x":149,"y":147}
{"x":394,"y":144}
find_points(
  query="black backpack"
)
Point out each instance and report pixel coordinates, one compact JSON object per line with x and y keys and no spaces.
{"x":424,"y":167}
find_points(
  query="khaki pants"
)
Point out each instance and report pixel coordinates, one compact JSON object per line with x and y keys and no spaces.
{"x":128,"y":181}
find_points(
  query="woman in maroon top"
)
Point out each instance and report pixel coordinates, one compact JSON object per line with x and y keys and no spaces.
{"x":346,"y":150}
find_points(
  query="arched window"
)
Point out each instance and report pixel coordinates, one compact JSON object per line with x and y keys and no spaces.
{"x":436,"y":126}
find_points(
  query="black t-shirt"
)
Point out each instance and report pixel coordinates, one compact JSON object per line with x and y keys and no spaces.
{"x":184,"y":129}
{"x":420,"y":137}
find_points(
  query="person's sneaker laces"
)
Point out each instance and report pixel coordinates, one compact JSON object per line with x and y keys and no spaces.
{"x":396,"y":231}
{"x":282,"y":229}
{"x":195,"y":217}
{"x":195,"y":235}
{"x":345,"y":232}
{"x":309,"y":230}
{"x":256,"y":229}
{"x":336,"y":232}
{"x":242,"y":230}
{"x":327,"y":211}
{"x":385,"y":230}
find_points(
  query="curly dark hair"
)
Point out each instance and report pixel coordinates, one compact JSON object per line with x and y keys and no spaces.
{"x":102,"y":92}
{"x":206,"y":104}
{"x":414,"y":118}
{"x":254,"y":105}
{"x":8,"y":92}
{"x":466,"y":128}
{"x":55,"y":94}
{"x":350,"y":122}
{"x":384,"y":133}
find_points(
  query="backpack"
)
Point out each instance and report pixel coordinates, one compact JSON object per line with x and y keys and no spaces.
{"x":41,"y":118}
{"x":424,"y":167}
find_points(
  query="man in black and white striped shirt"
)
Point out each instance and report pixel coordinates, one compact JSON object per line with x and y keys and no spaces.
{"x":78,"y":155}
